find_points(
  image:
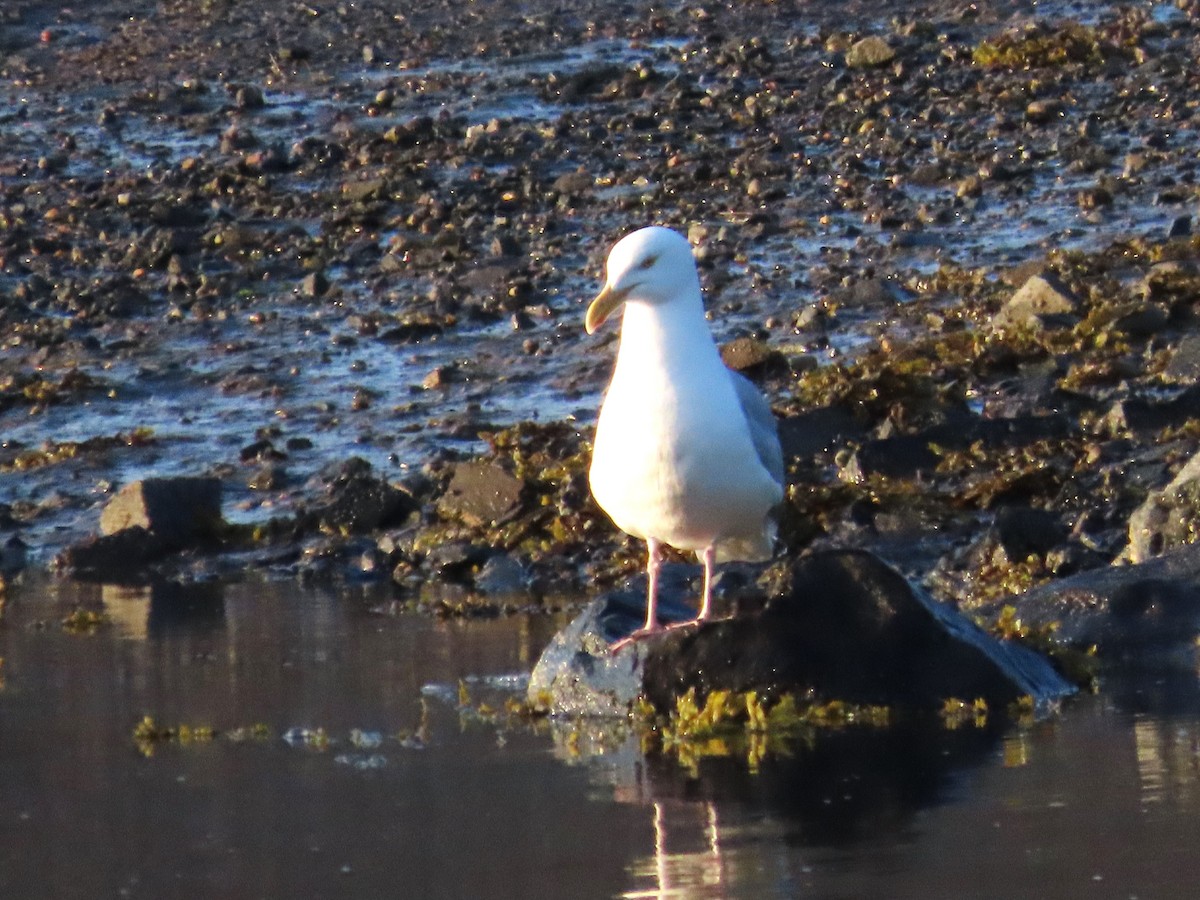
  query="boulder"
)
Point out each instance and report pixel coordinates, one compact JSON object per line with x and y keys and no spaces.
{"x":843,"y":625}
{"x":113,"y":556}
{"x":1184,"y":365}
{"x":357,"y":501}
{"x":1168,"y":517}
{"x":177,"y":511}
{"x":481,"y":494}
{"x":1145,"y":615}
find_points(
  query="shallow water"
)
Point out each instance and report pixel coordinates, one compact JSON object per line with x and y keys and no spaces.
{"x":407,"y":794}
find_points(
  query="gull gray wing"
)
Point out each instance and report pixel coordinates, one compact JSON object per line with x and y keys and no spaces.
{"x":764,"y":431}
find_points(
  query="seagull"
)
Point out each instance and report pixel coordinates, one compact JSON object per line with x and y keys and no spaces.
{"x":686,"y":451}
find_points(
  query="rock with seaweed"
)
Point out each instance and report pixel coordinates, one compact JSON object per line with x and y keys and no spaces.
{"x":1145,"y":615}
{"x":835,"y":625}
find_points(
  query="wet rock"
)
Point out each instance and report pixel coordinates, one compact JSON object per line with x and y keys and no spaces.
{"x":315,"y":284}
{"x":818,"y":431}
{"x":116,"y":555}
{"x":574,"y":184}
{"x":502,"y":574}
{"x":1043,"y":301}
{"x":842,"y":625}
{"x":480,"y":494}
{"x":896,"y":457}
{"x":1143,"y":321}
{"x":1168,"y":517}
{"x":745,"y":354}
{"x":576,"y":675}
{"x":870,"y":292}
{"x":358,"y":501}
{"x":1145,"y":615}
{"x":1142,"y":417}
{"x":455,"y":560}
{"x":869,"y":53}
{"x":1184,"y":364}
{"x":176,"y":511}
{"x":270,"y":476}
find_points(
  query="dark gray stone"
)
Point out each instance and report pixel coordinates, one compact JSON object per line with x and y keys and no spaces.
{"x":481,"y":493}
{"x":120,"y":554}
{"x":1168,"y":517}
{"x":747,"y":354}
{"x":1184,"y":364}
{"x":1146,"y":615}
{"x":357,"y":501}
{"x":842,"y":626}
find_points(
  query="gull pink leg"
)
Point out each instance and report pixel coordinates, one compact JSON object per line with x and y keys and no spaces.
{"x":709,"y":558}
{"x":653,"y":561}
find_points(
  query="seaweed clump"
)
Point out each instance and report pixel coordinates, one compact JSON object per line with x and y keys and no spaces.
{"x":747,"y":725}
{"x":1042,"y":47}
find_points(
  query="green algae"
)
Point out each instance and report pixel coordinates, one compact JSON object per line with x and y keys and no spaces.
{"x":53,"y":452}
{"x":1043,"y":47}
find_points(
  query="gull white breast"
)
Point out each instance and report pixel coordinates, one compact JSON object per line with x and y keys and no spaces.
{"x":686,"y":451}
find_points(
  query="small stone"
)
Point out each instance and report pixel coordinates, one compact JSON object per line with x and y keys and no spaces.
{"x":1184,"y":364}
{"x":1043,"y":300}
{"x":438,"y":378}
{"x":869,"y":53}
{"x":270,"y":476}
{"x":746,"y":353}
{"x":315,"y":284}
{"x":502,"y":575}
{"x":481,"y":493}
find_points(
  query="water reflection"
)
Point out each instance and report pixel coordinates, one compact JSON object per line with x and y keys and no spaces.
{"x":371,"y":779}
{"x":142,"y":611}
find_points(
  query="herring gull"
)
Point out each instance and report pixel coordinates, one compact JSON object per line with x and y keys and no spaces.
{"x":686,"y":451}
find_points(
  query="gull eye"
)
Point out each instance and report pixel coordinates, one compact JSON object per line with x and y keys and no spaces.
{"x":648,"y":262}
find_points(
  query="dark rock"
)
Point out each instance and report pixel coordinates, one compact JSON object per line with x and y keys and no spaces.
{"x":1168,"y":517}
{"x":588,"y":80}
{"x":870,"y":292}
{"x":574,"y":184}
{"x":745,"y":354}
{"x":481,"y":493}
{"x":1147,"y":615}
{"x":1144,"y":321}
{"x":114,"y":555}
{"x":502,"y":574}
{"x":455,"y":559}
{"x":1184,"y":364}
{"x":260,"y":451}
{"x":1023,"y":531}
{"x":818,"y":431}
{"x":844,"y":626}
{"x":896,"y":457}
{"x":358,"y":502}
{"x":505,"y":245}
{"x":270,"y":476}
{"x":1143,"y":417}
{"x":315,"y":284}
{"x":177,"y":511}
